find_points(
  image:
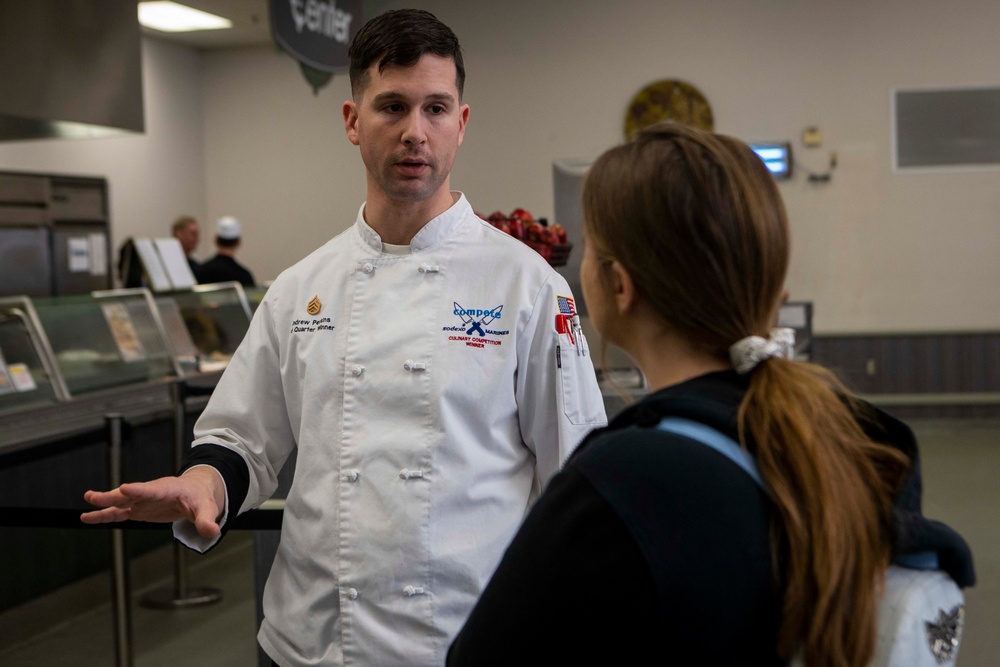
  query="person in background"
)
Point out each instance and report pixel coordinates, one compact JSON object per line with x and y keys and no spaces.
{"x":653,"y":547}
{"x":427,"y":369}
{"x":185,"y":229}
{"x":224,"y":267}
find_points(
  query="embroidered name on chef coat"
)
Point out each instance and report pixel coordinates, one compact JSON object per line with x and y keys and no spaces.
{"x":301,"y":326}
{"x":312,"y":326}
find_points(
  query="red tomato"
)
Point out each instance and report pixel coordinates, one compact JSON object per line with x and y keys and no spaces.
{"x":516,"y":228}
{"x":560,"y":232}
{"x":550,"y":236}
{"x":533,"y":232}
{"x":521,"y":214}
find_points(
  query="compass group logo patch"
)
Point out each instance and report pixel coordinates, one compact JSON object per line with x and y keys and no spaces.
{"x":476,"y":327}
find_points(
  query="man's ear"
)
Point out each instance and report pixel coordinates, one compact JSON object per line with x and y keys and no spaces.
{"x":463,"y":120}
{"x":351,"y":121}
{"x":623,"y":288}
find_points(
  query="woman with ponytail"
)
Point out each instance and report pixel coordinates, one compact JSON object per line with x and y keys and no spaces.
{"x":653,"y":548}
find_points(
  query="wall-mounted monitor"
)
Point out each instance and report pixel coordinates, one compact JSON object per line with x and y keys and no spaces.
{"x":777,"y":156}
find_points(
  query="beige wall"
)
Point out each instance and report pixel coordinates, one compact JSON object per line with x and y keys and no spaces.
{"x":875,"y":250}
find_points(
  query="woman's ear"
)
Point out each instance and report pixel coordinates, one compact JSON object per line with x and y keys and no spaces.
{"x":622,"y":288}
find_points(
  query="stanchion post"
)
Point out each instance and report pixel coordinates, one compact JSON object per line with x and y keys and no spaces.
{"x":180,"y":595}
{"x":120,"y":588}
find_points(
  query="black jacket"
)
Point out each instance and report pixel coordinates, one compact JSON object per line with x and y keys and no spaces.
{"x":649,"y":544}
{"x":223,"y":268}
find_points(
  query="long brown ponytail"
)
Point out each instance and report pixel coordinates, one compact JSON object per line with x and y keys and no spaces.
{"x":697,"y":220}
{"x":833,"y":490}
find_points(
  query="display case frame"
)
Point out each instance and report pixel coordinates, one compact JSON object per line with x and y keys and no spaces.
{"x":22,"y":308}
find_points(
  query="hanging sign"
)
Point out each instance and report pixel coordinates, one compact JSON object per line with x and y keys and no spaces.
{"x":317,"y":34}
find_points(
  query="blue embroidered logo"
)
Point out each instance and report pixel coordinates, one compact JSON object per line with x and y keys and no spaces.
{"x":475,"y":319}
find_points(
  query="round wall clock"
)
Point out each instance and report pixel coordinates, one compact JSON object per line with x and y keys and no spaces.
{"x":669,"y":99}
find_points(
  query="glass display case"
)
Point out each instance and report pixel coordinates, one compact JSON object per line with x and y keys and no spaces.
{"x":107,"y":339}
{"x":216,"y":317}
{"x":28,"y":375}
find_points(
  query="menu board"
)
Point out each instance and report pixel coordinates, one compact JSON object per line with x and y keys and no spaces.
{"x":152,"y":265}
{"x":175,"y":263}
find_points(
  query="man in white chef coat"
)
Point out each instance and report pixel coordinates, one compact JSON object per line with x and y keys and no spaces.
{"x":427,"y":367}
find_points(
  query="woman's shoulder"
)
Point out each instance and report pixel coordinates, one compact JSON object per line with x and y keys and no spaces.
{"x":647,"y":451}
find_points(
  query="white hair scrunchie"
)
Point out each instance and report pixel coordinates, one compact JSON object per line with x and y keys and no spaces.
{"x":748,"y":352}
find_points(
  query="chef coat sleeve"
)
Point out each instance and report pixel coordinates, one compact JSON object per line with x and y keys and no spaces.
{"x":558,"y":400}
{"x":247,"y":414}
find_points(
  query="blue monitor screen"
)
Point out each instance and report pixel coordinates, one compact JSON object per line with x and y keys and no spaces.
{"x":777,"y":157}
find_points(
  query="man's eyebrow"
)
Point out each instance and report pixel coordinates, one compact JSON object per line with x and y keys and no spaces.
{"x":393,"y":96}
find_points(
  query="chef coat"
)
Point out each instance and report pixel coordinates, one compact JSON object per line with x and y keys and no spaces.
{"x":430,"y":396}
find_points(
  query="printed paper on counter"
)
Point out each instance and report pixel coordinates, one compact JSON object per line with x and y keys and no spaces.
{"x":123,"y":331}
{"x":20,"y":374}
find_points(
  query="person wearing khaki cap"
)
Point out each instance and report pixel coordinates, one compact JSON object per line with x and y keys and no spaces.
{"x":224,"y":267}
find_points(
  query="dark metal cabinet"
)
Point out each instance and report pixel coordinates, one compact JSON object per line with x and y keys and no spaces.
{"x":25,"y":261}
{"x":54,"y":235}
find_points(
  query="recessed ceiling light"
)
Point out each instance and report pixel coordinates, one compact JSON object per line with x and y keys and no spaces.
{"x":172,"y":17}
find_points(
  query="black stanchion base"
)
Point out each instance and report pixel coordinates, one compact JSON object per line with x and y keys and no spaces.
{"x":166,"y":598}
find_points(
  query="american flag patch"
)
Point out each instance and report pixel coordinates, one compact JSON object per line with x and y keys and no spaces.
{"x":566,"y":305}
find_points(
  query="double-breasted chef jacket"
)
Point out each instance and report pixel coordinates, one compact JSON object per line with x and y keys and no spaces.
{"x":430,"y":396}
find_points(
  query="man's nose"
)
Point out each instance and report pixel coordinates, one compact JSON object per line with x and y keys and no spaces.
{"x":414,"y":131}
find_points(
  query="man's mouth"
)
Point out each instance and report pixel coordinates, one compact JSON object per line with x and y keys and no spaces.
{"x":412,"y":167}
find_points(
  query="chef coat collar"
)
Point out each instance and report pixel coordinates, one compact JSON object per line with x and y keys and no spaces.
{"x":436,"y":230}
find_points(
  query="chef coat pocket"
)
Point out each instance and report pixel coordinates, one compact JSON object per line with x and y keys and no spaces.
{"x":581,"y":398}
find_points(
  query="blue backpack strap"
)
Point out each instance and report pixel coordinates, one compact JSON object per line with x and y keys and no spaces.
{"x":706,"y":435}
{"x":721,"y":443}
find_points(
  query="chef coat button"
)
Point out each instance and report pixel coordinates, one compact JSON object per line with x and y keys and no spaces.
{"x":358,"y":370}
{"x":404,"y":474}
{"x":352,"y":475}
{"x":410,"y":591}
{"x":352,"y":593}
{"x":368,"y":267}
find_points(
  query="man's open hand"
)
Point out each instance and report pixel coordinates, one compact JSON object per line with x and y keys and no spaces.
{"x":197,"y":495}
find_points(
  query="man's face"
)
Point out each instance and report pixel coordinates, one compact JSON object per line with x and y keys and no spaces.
{"x":188,"y":236}
{"x":409,"y":124}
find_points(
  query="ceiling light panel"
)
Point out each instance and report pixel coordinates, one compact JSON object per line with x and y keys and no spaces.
{"x":173,"y":17}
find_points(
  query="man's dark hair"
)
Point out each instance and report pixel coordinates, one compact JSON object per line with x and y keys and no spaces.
{"x":400,"y":37}
{"x":226,"y":243}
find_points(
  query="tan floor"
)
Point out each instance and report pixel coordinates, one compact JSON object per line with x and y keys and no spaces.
{"x":961,"y":462}
{"x":219,"y":635}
